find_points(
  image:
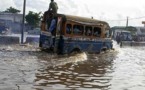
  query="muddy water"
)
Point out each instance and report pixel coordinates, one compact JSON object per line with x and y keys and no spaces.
{"x":27,"y":68}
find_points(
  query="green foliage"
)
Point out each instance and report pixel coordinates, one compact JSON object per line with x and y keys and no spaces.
{"x":12,"y":10}
{"x":33,"y":18}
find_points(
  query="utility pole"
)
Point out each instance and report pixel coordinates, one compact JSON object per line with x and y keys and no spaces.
{"x":127,"y":22}
{"x":23,"y":23}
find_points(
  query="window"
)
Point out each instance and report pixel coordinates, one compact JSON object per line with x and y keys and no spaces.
{"x":88,"y":30}
{"x":107,"y":34}
{"x":78,"y":30}
{"x":97,"y":31}
{"x":68,"y":28}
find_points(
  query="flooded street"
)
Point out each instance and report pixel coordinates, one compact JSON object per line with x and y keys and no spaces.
{"x":27,"y":68}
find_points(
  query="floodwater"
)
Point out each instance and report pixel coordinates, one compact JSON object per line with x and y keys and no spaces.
{"x":27,"y":68}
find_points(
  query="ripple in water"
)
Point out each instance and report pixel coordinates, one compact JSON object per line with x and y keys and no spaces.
{"x":79,"y":72}
{"x":31,"y":69}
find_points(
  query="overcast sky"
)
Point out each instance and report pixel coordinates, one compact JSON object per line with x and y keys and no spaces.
{"x":111,"y":11}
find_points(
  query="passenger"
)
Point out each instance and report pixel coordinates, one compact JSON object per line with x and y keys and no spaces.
{"x":76,"y":30}
{"x":81,"y":32}
{"x":96,"y":34}
{"x":53,"y":7}
{"x":53,"y":27}
{"x":68,"y":30}
{"x":118,"y":39}
{"x":60,"y":45}
{"x":107,"y":34}
{"x":89,"y":32}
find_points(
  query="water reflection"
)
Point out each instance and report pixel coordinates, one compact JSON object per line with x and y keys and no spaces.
{"x":78,"y":72}
{"x":129,"y":69}
{"x":27,"y":68}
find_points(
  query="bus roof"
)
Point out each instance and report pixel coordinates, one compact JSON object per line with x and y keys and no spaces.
{"x":83,"y":20}
{"x":121,"y":30}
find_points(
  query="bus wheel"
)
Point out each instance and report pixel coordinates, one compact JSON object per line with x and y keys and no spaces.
{"x":75,"y":51}
{"x":104,"y":49}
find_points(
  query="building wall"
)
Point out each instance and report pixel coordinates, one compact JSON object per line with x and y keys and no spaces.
{"x":140,"y":30}
{"x":12,"y":17}
{"x":13,"y":21}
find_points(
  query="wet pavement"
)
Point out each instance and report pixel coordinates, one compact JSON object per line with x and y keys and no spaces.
{"x":28,"y":68}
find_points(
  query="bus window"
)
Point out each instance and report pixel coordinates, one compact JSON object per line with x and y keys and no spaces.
{"x":107,"y":33}
{"x":88,"y":30}
{"x":68,"y":28}
{"x":78,"y":30}
{"x":97,"y":31}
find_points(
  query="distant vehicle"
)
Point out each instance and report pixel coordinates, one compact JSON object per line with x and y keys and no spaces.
{"x":122,"y":35}
{"x":74,"y":34}
{"x":129,"y":36}
{"x":35,"y":31}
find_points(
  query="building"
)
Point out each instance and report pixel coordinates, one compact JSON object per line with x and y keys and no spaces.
{"x":12,"y":21}
{"x":12,"y":17}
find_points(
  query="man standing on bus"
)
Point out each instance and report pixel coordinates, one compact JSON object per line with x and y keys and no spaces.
{"x":53,"y":7}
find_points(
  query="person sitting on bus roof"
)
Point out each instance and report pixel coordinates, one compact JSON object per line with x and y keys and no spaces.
{"x":53,"y":7}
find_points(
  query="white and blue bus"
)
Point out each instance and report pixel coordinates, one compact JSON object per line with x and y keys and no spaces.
{"x":64,"y":34}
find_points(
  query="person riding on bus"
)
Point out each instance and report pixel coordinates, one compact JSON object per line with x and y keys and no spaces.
{"x":53,"y":7}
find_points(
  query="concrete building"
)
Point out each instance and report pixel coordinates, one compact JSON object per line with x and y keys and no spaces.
{"x":12,"y":17}
{"x":12,"y":21}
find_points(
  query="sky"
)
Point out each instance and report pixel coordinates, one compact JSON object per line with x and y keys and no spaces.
{"x":115,"y":12}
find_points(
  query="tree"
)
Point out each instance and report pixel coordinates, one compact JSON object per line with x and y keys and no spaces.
{"x":33,"y":18}
{"x":12,"y":10}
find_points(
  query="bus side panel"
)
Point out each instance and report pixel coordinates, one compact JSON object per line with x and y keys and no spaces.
{"x":97,"y":46}
{"x":73,"y":45}
{"x":45,"y":41}
{"x":92,"y":46}
{"x":109,"y":45}
{"x":89,"y":46}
